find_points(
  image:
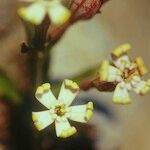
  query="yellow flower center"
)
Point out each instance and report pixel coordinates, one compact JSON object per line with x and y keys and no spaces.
{"x":60,"y":110}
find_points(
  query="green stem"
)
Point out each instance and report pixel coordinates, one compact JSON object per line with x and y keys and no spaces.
{"x":39,"y":67}
{"x":42,"y":66}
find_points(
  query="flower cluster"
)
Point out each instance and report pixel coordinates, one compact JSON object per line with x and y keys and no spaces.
{"x":124,"y":74}
{"x":59,"y":111}
{"x":35,"y":13}
{"x":120,"y":75}
{"x":61,"y":14}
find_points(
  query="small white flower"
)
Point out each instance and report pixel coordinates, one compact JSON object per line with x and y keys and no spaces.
{"x":59,"y":111}
{"x":127,"y":74}
{"x":36,"y":12}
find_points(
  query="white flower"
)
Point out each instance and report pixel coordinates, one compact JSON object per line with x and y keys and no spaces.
{"x":59,"y":111}
{"x":36,"y":12}
{"x":125,"y":73}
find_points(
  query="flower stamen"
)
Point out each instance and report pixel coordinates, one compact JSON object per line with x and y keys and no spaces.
{"x":60,"y":110}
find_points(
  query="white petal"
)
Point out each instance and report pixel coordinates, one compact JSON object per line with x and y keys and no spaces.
{"x":133,"y":83}
{"x":121,"y":95}
{"x":128,"y":86}
{"x":42,"y":119}
{"x":64,"y":129}
{"x":113,"y":73}
{"x":122,"y":62}
{"x":119,"y":78}
{"x":34,"y":13}
{"x":68,"y":92}
{"x":58,"y":13}
{"x":45,"y":96}
{"x":141,"y":87}
{"x":122,"y":85}
{"x":136,"y":78}
{"x":78,"y":113}
{"x":81,"y":113}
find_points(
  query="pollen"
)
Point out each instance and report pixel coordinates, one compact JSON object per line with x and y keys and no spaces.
{"x":39,"y":90}
{"x":141,"y":66}
{"x":60,"y":110}
{"x":90,"y":105}
{"x":72,"y":85}
{"x":68,"y":132}
{"x":121,"y":50}
{"x":46,"y":86}
{"x":89,"y":114}
{"x":89,"y":111}
{"x":103,"y":70}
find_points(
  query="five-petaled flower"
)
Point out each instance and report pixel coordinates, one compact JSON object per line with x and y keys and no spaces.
{"x":125,"y":74}
{"x":59,"y":111}
{"x":35,"y":13}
